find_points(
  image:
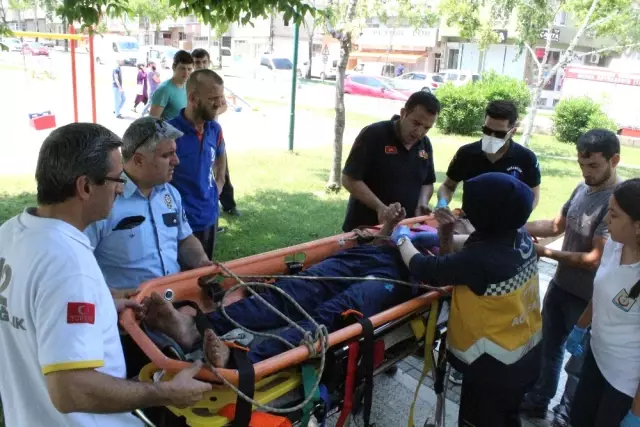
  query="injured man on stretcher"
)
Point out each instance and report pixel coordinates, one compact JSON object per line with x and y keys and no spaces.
{"x":324,"y":301}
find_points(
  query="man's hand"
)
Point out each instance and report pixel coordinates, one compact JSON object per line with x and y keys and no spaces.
{"x":382,"y":214}
{"x":122,"y":304}
{"x":446,"y":220}
{"x":541,"y":250}
{"x":393,"y":214}
{"x":423,"y":210}
{"x":183,"y":390}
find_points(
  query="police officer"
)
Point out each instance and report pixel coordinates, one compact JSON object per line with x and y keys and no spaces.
{"x":392,"y":161}
{"x":147,"y":234}
{"x":495,"y":152}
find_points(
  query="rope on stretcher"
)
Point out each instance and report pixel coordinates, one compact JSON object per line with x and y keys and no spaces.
{"x":321,"y":334}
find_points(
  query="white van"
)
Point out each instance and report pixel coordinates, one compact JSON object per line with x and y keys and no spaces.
{"x":459,"y":77}
{"x":111,"y":47}
{"x":321,"y":70}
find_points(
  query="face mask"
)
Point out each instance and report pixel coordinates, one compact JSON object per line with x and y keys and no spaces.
{"x":491,"y":144}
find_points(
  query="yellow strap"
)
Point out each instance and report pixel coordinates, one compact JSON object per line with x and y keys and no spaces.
{"x":428,"y":355}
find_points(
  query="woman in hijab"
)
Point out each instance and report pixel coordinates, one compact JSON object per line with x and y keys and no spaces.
{"x":494,"y":326}
{"x":608,"y":392}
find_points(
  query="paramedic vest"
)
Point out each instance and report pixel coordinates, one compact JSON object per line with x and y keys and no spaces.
{"x":504,"y":323}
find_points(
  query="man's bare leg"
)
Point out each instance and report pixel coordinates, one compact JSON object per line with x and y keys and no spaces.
{"x":215,"y":352}
{"x":163,"y":316}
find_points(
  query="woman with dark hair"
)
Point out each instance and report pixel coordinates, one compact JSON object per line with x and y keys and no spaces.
{"x":608,"y":394}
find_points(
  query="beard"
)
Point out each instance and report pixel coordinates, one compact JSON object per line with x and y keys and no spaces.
{"x":596,"y":182}
{"x":205,"y":113}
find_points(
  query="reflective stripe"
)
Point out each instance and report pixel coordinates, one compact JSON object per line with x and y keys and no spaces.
{"x":486,"y":346}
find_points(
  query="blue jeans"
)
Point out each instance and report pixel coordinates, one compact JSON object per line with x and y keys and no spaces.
{"x":560,"y":312}
{"x":119,"y":98}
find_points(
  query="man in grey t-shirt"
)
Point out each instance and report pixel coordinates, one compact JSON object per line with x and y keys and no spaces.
{"x":582,"y":220}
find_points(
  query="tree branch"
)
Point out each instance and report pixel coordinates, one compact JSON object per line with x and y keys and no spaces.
{"x":600,"y":22}
{"x":533,"y":55}
{"x":606,"y":49}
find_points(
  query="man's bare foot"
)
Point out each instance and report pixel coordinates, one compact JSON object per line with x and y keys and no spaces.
{"x":215,"y":352}
{"x":163,"y":316}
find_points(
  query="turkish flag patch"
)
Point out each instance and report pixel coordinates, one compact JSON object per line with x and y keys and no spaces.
{"x":390,"y":149}
{"x":81,"y":312}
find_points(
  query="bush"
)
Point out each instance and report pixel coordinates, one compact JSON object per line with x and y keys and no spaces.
{"x":463,"y":106}
{"x":574,"y":116}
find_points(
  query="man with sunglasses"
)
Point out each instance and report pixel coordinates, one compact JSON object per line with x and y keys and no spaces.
{"x":495,"y":152}
{"x":147,"y":234}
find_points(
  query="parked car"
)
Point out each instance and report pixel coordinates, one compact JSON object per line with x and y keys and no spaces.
{"x":378,"y":87}
{"x":421,"y":81}
{"x":459,"y":77}
{"x":35,"y":49}
{"x":12,"y":44}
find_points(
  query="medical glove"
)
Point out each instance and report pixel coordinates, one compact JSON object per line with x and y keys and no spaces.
{"x":426,"y":239}
{"x":442,"y":203}
{"x":400,"y":231}
{"x":630,"y":420}
{"x":574,"y":342}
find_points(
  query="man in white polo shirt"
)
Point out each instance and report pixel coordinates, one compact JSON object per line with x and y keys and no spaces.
{"x":62,"y":361}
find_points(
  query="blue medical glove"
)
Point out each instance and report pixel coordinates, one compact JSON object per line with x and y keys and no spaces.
{"x":630,"y":420}
{"x":574,"y":342}
{"x":442,"y":203}
{"x":400,"y":231}
{"x":426,"y":239}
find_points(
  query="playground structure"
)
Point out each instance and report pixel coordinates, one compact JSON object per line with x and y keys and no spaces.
{"x":73,"y":37}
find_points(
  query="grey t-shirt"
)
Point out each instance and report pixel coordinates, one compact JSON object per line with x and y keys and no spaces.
{"x":585,"y":212}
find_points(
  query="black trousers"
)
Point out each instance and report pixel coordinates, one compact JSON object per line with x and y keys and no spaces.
{"x":226,"y":196}
{"x":596,"y":402}
{"x":483,"y":404}
{"x":208,"y":239}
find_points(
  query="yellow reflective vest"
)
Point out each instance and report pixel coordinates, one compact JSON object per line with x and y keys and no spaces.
{"x":504,"y":323}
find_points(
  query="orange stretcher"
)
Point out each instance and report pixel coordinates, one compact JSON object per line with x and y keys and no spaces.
{"x":280,"y":368}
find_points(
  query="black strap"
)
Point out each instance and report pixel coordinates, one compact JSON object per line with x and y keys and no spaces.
{"x":246,"y":384}
{"x":366,"y":350}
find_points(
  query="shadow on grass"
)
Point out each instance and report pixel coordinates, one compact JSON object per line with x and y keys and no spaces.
{"x":13,"y":204}
{"x":275,"y":219}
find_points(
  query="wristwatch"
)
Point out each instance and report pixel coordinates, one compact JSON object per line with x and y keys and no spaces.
{"x":402,"y":241}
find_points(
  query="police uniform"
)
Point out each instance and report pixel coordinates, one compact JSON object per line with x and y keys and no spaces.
{"x":139,"y":240}
{"x":393,"y":173}
{"x":494,"y":327}
{"x":56,"y":314}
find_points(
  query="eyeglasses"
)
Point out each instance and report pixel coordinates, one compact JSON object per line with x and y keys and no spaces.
{"x":118,"y":180}
{"x":160,"y":130}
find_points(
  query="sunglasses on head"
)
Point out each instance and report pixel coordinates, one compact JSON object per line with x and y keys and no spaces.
{"x":497,"y":133}
{"x":160,"y":130}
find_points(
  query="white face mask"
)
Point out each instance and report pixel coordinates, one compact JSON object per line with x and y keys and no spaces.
{"x":491,"y":144}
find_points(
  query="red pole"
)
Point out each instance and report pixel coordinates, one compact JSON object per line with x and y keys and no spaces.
{"x":73,"y":75}
{"x":92,"y":68}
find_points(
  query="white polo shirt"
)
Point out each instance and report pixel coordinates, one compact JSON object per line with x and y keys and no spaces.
{"x":615,"y":326}
{"x":56,"y":313}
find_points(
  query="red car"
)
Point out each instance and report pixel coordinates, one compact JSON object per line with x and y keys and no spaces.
{"x":35,"y":49}
{"x":378,"y":87}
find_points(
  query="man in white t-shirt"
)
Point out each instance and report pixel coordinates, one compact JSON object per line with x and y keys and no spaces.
{"x":62,"y":361}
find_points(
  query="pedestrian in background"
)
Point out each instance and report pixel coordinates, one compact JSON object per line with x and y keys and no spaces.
{"x":141,"y":82}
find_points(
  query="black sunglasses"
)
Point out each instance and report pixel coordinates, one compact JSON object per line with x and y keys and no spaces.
{"x":160,"y":130}
{"x":497,"y":133}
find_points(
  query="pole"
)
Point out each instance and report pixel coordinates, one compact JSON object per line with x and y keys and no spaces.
{"x":92,"y":71}
{"x":294,"y":85}
{"x":73,"y":74}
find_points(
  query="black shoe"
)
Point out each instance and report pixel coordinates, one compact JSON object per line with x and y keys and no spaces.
{"x":233,"y":211}
{"x":531,"y":410}
{"x":455,"y":377}
{"x":559,"y":422}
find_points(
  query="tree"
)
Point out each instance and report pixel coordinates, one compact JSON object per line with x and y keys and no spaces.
{"x":19,"y":6}
{"x":343,"y":20}
{"x":310,"y":25}
{"x":612,"y":21}
{"x":153,"y":11}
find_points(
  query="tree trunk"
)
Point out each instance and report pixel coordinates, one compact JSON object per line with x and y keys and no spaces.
{"x":220,"y":52}
{"x":307,"y":74}
{"x":531,"y":118}
{"x":334,"y":183}
{"x":271,"y":32}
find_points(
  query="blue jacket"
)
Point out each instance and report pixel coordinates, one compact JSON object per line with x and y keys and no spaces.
{"x":193,"y":177}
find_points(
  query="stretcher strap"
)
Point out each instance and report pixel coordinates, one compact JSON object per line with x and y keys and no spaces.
{"x":429,"y":337}
{"x":308,"y":380}
{"x":246,"y":384}
{"x":324,"y":395}
{"x":367,"y":352}
{"x":350,"y":379}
